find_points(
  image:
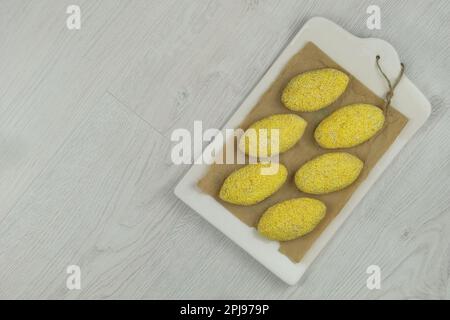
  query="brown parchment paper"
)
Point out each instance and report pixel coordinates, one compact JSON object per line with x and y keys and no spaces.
{"x":309,"y":58}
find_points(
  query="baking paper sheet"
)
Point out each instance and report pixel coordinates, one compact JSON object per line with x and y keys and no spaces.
{"x":309,"y":58}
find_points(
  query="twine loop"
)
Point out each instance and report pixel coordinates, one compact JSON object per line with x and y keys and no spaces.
{"x":391,"y":86}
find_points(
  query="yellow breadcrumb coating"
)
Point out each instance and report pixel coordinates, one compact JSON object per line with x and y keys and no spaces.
{"x":290,"y":129}
{"x":328,"y":173}
{"x":251,"y":184}
{"x":349,"y":126}
{"x":291,"y":219}
{"x":314,"y":90}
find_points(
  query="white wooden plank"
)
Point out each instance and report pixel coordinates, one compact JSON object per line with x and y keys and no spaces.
{"x":47,"y":86}
{"x":85,"y":179}
{"x":88,"y":207}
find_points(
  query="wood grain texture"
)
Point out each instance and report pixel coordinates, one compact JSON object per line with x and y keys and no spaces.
{"x":85,"y":170}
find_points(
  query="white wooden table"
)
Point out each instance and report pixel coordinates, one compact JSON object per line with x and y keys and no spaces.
{"x":85,"y":171}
